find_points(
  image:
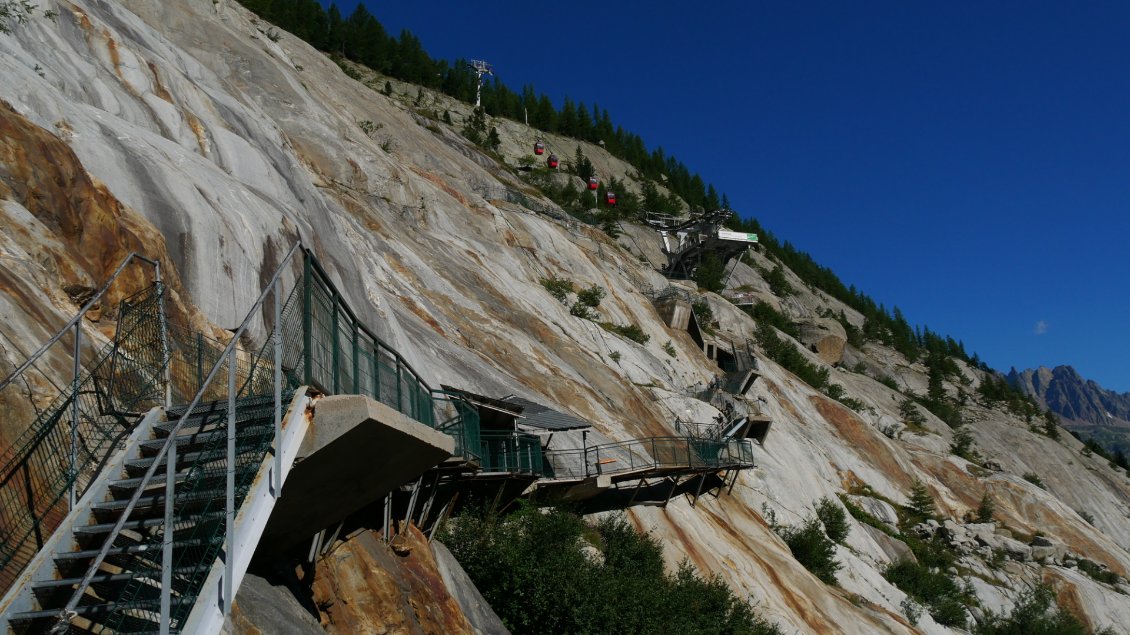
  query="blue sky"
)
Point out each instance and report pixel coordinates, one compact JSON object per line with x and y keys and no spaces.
{"x":967,"y":162}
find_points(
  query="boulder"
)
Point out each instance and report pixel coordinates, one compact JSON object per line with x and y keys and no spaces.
{"x":1048,"y":554}
{"x":1015,"y":549}
{"x":894,"y":549}
{"x":881,"y":510}
{"x":825,"y":337}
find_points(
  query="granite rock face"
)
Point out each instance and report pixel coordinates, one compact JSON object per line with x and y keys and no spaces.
{"x":181,"y":129}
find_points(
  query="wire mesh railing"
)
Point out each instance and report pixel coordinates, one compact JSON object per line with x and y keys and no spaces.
{"x":341,"y":355}
{"x":61,"y":451}
{"x":653,"y":454}
{"x":510,"y":452}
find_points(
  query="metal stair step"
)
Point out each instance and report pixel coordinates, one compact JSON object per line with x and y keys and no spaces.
{"x":84,"y":535}
{"x":144,"y":616}
{"x":208,"y":438}
{"x":58,"y":592}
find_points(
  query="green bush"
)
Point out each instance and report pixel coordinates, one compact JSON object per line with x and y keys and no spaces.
{"x":943,"y":598}
{"x":704,"y":314}
{"x":587,"y":301}
{"x":708,"y":274}
{"x":963,"y":446}
{"x":985,"y":509}
{"x":812,"y":548}
{"x":630,"y":331}
{"x":1033,"y":615}
{"x":1035,"y":479}
{"x":559,"y":288}
{"x":778,"y":284}
{"x":1096,"y":572}
{"x":669,"y":348}
{"x":786,"y":354}
{"x":834,"y":520}
{"x":910,"y":414}
{"x":764,"y":312}
{"x":532,"y":570}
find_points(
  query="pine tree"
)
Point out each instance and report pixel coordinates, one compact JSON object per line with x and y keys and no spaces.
{"x":921,"y":503}
{"x":985,"y":509}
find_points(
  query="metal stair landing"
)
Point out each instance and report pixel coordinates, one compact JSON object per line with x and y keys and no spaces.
{"x":124,"y":593}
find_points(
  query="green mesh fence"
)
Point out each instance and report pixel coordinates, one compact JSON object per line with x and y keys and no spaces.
{"x":324,"y":346}
{"x":510,"y":452}
{"x":654,"y":454}
{"x":125,"y":379}
{"x":342,"y":356}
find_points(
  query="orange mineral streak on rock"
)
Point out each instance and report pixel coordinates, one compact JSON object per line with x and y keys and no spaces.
{"x":863,"y":438}
{"x":40,"y":172}
{"x":452,"y":192}
{"x":1016,"y":508}
{"x":362,"y":586}
{"x":159,"y":87}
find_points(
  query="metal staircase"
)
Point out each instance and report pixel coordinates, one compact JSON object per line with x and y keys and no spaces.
{"x":124,"y":593}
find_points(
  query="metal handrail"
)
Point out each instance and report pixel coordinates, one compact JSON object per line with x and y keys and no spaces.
{"x":168,"y":451}
{"x":75,"y":324}
{"x":83,"y":311}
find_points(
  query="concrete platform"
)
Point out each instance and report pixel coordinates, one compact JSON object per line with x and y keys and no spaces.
{"x":356,"y":451}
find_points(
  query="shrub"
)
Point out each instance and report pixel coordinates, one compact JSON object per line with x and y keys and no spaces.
{"x":943,"y":598}
{"x":1034,"y":479}
{"x":834,"y":520}
{"x":812,"y":548}
{"x":704,"y":314}
{"x":630,"y":331}
{"x":1096,"y":572}
{"x":614,"y":356}
{"x":591,"y":297}
{"x":1032,"y":615}
{"x":708,"y":274}
{"x":778,"y":284}
{"x":910,"y":414}
{"x":559,"y":288}
{"x":764,"y":312}
{"x":985,"y":509}
{"x":669,"y":348}
{"x":786,"y":354}
{"x":587,"y":301}
{"x":963,"y":446}
{"x":530,"y":566}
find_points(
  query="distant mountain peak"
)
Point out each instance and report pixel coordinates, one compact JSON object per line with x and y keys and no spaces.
{"x":1079,"y":402}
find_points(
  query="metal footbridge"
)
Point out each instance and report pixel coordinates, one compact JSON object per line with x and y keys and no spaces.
{"x":137,"y":493}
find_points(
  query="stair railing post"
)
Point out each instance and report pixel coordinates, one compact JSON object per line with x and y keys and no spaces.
{"x":585,"y":450}
{"x":307,"y":320}
{"x":166,"y":350}
{"x":399,"y":390}
{"x":277,"y":484}
{"x":335,"y":358}
{"x":167,"y":539}
{"x":356,"y":359}
{"x":74,"y":413}
{"x":229,"y":498}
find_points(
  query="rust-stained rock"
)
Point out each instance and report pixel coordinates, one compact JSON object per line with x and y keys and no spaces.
{"x":362,"y":586}
{"x":825,"y":337}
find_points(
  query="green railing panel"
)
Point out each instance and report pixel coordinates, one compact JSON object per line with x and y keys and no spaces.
{"x":125,"y":379}
{"x":512,"y":452}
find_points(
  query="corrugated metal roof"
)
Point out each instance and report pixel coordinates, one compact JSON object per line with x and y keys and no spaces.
{"x":535,"y":414}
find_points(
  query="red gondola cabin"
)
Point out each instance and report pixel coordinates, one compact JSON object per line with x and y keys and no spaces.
{"x":552,"y":161}
{"x":539,"y":148}
{"x":610,"y":198}
{"x":593,"y":183}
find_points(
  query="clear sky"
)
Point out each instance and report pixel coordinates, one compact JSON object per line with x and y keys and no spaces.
{"x":968,"y":162}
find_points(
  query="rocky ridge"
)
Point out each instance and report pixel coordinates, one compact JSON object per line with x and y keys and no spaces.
{"x":218,"y":147}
